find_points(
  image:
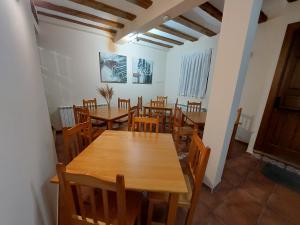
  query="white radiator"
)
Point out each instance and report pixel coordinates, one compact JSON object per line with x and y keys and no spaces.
{"x":244,"y":129}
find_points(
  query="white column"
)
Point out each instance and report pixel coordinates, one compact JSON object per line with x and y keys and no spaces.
{"x":235,"y":42}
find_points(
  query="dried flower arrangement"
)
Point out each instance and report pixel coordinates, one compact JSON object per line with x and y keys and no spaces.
{"x":106,"y":92}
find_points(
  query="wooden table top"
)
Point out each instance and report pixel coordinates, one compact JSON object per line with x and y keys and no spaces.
{"x":148,"y":161}
{"x":103,"y":113}
{"x":167,"y":106}
{"x":196,"y":117}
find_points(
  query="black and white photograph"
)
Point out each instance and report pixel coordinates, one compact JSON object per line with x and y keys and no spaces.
{"x":142,"y":70}
{"x":113,"y":68}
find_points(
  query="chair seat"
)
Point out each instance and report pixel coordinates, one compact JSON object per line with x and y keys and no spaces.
{"x":133,"y":207}
{"x":186,"y":130}
{"x":184,"y":200}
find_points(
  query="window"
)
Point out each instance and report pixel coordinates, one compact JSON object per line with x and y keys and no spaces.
{"x":194,"y":74}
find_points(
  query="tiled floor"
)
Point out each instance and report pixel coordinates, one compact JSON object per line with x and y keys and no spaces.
{"x":244,"y":197}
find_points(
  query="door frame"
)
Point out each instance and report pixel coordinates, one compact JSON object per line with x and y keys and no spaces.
{"x":280,"y":68}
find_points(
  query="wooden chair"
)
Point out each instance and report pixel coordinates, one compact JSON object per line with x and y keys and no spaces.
{"x":156,"y":111}
{"x":108,"y":202}
{"x":90,"y":103}
{"x":162,"y":99}
{"x":193,"y":106}
{"x":123,"y":103}
{"x":179,"y":130}
{"x":76,"y":139}
{"x":197,"y":161}
{"x":235,"y":127}
{"x":141,"y":123}
{"x":176,"y":103}
{"x":140,"y":106}
{"x":82,"y":115}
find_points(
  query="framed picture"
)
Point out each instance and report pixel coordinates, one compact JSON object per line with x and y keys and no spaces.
{"x":142,"y":71}
{"x":113,"y":68}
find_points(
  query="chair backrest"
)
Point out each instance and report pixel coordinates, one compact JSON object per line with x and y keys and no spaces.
{"x":176,"y":103}
{"x":162,"y":99}
{"x":90,"y":103}
{"x":178,"y":117}
{"x":140,"y":102}
{"x":153,"y":108}
{"x":81,"y":114}
{"x":234,"y":131}
{"x":76,"y":139}
{"x":197,"y":163}
{"x":72,"y":186}
{"x":238,"y":116}
{"x":142,"y":123}
{"x":123,"y":103}
{"x":193,"y":106}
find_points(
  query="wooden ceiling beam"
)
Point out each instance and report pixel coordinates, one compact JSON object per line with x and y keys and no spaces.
{"x":111,"y":31}
{"x":80,"y":14}
{"x":211,"y":10}
{"x":154,"y":42}
{"x":262,"y":17}
{"x":216,"y":13}
{"x":193,"y":25}
{"x":162,"y":38}
{"x":176,"y":33}
{"x":106,"y":8}
{"x":142,"y":3}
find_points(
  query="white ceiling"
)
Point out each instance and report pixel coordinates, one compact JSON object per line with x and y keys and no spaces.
{"x":272,"y":8}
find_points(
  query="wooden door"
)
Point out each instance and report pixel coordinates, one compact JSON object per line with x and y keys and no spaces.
{"x":279,"y":133}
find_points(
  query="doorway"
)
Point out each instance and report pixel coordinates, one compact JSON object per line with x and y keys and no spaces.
{"x":279,"y":132}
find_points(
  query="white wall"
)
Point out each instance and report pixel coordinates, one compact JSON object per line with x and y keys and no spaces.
{"x":262,"y":65}
{"x":27,"y":155}
{"x":174,"y":62}
{"x":70,"y":65}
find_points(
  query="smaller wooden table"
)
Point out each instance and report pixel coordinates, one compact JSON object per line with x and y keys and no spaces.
{"x":108,"y":115}
{"x":197,"y":118}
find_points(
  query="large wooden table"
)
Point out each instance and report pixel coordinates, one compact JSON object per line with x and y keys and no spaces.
{"x":197,"y":118}
{"x":108,"y":115}
{"x":148,"y":162}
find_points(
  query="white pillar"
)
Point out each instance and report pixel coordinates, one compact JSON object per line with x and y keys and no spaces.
{"x":235,"y":42}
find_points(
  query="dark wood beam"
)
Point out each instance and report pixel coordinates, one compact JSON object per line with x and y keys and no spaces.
{"x":111,"y":31}
{"x":292,"y":0}
{"x":106,"y":8}
{"x":142,"y":3}
{"x":154,"y":42}
{"x":73,"y":12}
{"x":216,"y":13}
{"x":193,"y":25}
{"x":211,"y":10}
{"x":176,"y":33}
{"x":262,"y":17}
{"x":162,"y":38}
{"x":34,"y":11}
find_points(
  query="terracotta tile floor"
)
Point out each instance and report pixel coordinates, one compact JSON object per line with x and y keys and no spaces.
{"x":244,"y":197}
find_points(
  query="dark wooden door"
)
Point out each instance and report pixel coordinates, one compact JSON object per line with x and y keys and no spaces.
{"x":279,"y":134}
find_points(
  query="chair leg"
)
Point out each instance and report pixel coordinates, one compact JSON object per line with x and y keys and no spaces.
{"x":150,"y":213}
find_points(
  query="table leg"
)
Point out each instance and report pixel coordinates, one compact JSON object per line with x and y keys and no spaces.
{"x":173,"y":200}
{"x":109,"y":124}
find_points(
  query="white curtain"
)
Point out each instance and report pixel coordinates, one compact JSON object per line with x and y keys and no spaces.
{"x":194,"y":74}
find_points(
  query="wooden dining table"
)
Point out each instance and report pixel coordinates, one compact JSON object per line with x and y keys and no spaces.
{"x":148,"y":162}
{"x":109,"y":115}
{"x":197,"y":118}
